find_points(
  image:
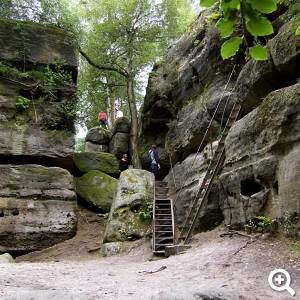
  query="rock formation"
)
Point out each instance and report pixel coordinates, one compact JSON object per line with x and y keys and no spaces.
{"x":262,"y":147}
{"x":116,"y":141}
{"x":131,"y":210}
{"x":38,"y":69}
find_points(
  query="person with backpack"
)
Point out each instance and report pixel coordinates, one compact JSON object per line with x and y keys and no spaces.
{"x":102,"y":118}
{"x":153,"y":158}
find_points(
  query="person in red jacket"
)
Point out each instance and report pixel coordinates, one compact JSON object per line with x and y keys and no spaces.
{"x":102,"y":118}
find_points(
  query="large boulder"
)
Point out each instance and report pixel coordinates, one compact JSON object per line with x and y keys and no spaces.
{"x":121,"y":125}
{"x":37,"y":207}
{"x":134,"y":195}
{"x":97,"y":189}
{"x":261,"y":157}
{"x":104,"y":162}
{"x":98,"y":135}
{"x":119,"y":144}
{"x":91,"y":147}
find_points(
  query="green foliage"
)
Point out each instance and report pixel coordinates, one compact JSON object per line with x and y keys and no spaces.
{"x":260,"y":224}
{"x":125,"y":35}
{"x":22,"y":103}
{"x":260,"y":26}
{"x":225,"y":27}
{"x":298,"y":30}
{"x":213,"y":17}
{"x":288,"y":224}
{"x":79,"y":144}
{"x":230,"y":47}
{"x":146,"y":212}
{"x":258,"y":52}
{"x":41,"y":11}
{"x":251,"y":14}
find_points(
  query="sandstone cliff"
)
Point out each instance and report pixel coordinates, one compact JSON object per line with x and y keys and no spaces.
{"x":38,"y":69}
{"x":260,"y":175}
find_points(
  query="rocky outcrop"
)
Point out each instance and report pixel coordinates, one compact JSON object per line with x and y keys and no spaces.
{"x":116,"y":141}
{"x":259,"y":171}
{"x":43,"y":44}
{"x":184,"y":91}
{"x":38,"y":73}
{"x":37,"y":207}
{"x":133,"y":200}
{"x":193,"y":88}
{"x":97,"y":189}
{"x":104,"y":162}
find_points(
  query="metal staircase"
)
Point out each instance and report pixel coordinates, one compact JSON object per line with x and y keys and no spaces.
{"x":216,"y":162}
{"x":163,"y":219}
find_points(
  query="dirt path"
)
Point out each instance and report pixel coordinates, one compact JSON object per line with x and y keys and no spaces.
{"x":216,"y":268}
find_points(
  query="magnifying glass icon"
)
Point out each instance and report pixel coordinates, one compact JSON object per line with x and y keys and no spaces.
{"x":280,"y":280}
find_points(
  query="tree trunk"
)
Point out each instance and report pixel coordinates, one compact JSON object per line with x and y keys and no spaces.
{"x":134,"y":124}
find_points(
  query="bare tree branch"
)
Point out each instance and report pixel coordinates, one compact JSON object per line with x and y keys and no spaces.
{"x":100,"y":67}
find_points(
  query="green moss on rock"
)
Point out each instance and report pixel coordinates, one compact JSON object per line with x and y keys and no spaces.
{"x":97,"y":188}
{"x":101,"y":161}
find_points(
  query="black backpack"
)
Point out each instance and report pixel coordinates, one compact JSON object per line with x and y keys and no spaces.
{"x":147,"y":160}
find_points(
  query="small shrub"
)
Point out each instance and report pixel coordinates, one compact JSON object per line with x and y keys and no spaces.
{"x":260,"y":224}
{"x":145,"y":213}
{"x":22,"y":103}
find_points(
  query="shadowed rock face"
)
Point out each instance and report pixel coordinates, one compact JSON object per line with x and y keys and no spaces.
{"x":37,"y":207}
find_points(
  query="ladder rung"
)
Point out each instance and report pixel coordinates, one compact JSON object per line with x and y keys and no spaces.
{"x":164,"y":231}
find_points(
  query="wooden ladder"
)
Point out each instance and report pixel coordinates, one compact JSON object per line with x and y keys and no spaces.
{"x":216,"y":162}
{"x":163,"y":228}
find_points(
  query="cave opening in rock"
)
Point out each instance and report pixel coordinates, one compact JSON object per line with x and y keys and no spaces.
{"x":250,"y":187}
{"x":1,"y":214}
{"x":15,"y":212}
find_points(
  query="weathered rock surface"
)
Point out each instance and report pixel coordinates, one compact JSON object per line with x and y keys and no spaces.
{"x":134,"y":195}
{"x":91,"y":147}
{"x":37,"y":87}
{"x":285,"y":49}
{"x":37,"y":207}
{"x":260,"y":175}
{"x":98,"y":135}
{"x":104,"y":162}
{"x":121,"y":125}
{"x":119,"y":144}
{"x":36,"y":182}
{"x":6,"y":258}
{"x":184,"y":181}
{"x":51,"y":147}
{"x":97,"y":189}
{"x":40,"y":44}
{"x":29,"y":225}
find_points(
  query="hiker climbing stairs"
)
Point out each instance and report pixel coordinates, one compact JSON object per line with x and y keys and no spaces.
{"x":163,"y":219}
{"x":201,"y":197}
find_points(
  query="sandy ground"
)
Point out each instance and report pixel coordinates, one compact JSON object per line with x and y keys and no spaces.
{"x":215,"y":268}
